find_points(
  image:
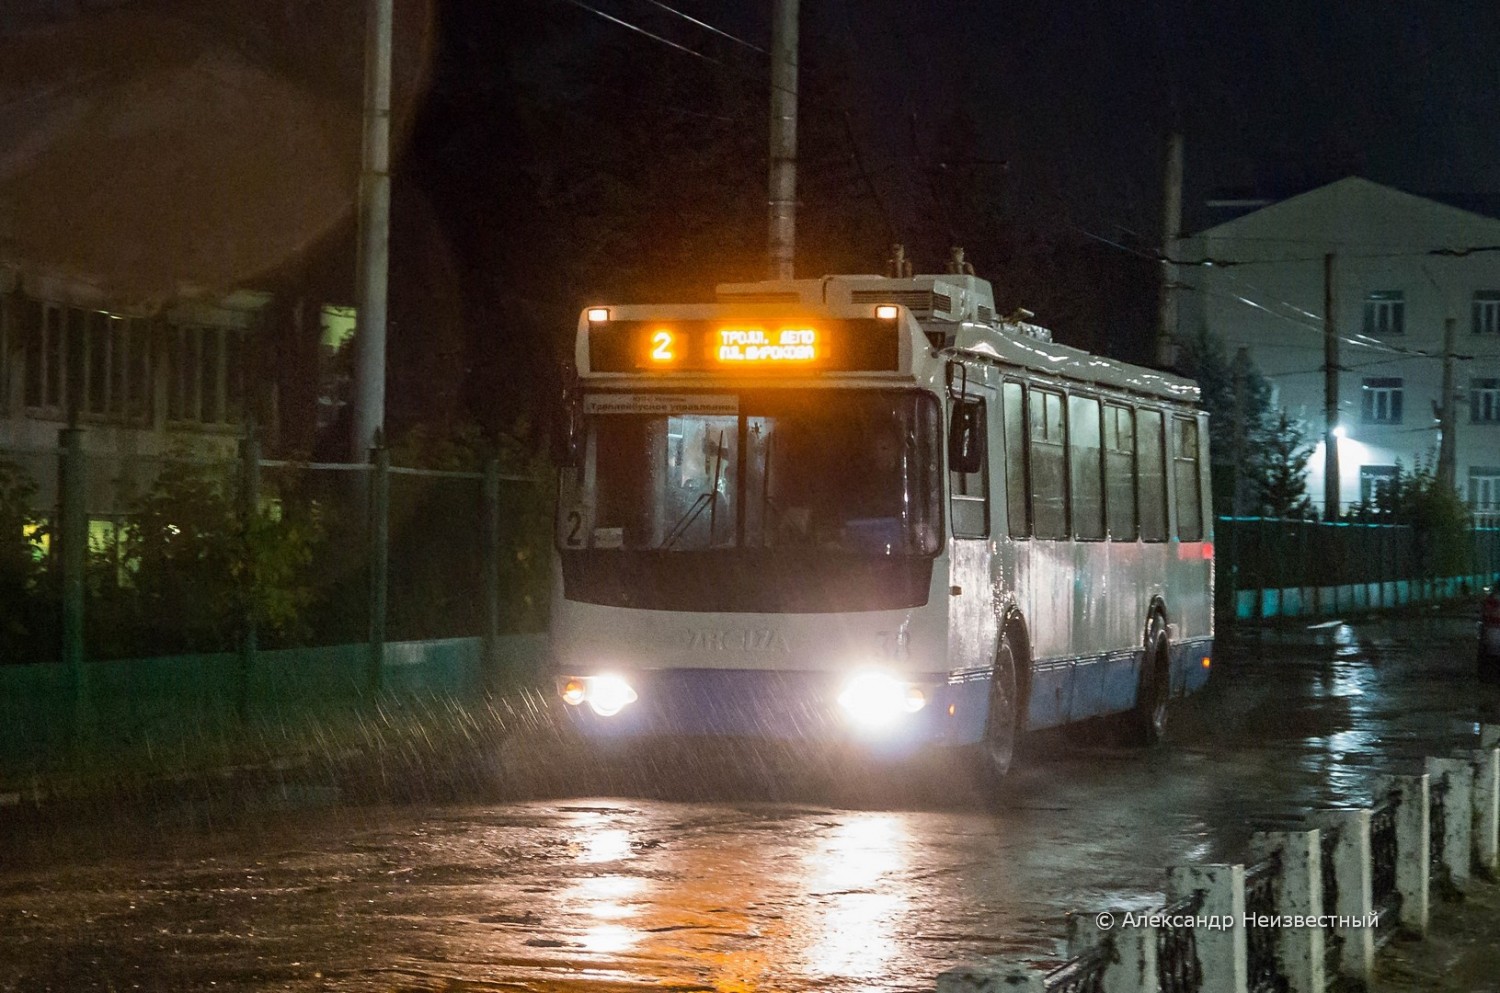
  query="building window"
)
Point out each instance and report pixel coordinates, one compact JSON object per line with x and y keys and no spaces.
{"x":1375,"y":482}
{"x":1385,"y":312}
{"x":1484,"y":401}
{"x":1484,"y":488}
{"x":1382,"y":401}
{"x":1487,"y":312}
{"x":97,"y":361}
{"x":206,"y":381}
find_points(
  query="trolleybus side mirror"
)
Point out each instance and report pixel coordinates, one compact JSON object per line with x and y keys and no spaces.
{"x":966,"y":436}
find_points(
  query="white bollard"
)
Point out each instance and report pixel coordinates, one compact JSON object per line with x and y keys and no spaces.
{"x":1412,"y":841}
{"x":1353,"y":900}
{"x":1458,"y":815}
{"x":996,"y":976}
{"x":1298,"y":891}
{"x":1486,"y":765}
{"x":1220,"y":933}
{"x":1132,"y":967}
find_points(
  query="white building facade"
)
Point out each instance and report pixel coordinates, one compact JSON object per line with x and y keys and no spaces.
{"x":1402,"y":266}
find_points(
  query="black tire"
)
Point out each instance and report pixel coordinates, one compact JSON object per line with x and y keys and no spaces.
{"x":1005,"y":721}
{"x":1147,"y":722}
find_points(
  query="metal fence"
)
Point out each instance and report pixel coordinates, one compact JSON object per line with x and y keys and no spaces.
{"x":107,"y":556}
{"x":1275,"y":567}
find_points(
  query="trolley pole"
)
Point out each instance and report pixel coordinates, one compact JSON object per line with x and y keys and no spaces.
{"x":783,"y":173}
{"x":1331,"y":491}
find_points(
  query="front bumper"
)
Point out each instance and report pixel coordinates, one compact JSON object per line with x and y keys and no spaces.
{"x":780,"y":706}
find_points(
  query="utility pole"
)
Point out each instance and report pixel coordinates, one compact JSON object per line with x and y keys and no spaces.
{"x":374,"y":236}
{"x":1171,"y":231}
{"x":1447,"y":470}
{"x":1240,"y":368}
{"x":783,"y":177}
{"x":1331,"y":490}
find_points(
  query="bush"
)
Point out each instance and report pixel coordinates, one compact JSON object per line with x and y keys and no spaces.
{"x":28,"y":617}
{"x":190,"y":569}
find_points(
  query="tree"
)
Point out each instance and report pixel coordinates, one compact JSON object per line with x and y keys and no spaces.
{"x":1259,"y":455}
{"x":1282,"y":481}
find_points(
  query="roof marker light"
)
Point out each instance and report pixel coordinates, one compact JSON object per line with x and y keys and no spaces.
{"x":887,"y":312}
{"x":598,"y":315}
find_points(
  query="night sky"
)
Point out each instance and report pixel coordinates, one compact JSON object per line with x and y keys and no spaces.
{"x":548,"y":157}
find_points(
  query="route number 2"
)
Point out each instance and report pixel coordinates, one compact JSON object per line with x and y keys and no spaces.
{"x":661,"y":346}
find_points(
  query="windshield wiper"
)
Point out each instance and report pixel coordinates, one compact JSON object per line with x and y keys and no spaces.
{"x":709,"y":500}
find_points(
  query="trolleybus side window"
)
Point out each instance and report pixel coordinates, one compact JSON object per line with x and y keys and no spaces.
{"x":1185,"y":479}
{"x":1119,"y":471}
{"x":1151,"y":469}
{"x":968,"y":465}
{"x":1085,"y":470}
{"x":1048,"y":477}
{"x":1018,"y":507}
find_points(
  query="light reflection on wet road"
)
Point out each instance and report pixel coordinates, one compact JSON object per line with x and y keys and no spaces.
{"x":733,"y":893}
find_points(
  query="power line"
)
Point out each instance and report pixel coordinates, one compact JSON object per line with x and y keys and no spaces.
{"x":706,"y":26}
{"x":642,"y":31}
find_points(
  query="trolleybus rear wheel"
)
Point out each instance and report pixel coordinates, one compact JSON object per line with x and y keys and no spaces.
{"x":1148,"y":721}
{"x":1002,"y":726}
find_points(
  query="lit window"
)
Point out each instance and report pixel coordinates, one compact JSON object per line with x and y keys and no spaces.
{"x":1484,"y":401}
{"x":1375,"y":482}
{"x":1487,"y":312}
{"x":1382,"y":400}
{"x":1484,"y":488}
{"x":1385,"y":312}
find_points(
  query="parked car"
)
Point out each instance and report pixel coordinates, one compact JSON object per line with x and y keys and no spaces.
{"x":1489,"y":630}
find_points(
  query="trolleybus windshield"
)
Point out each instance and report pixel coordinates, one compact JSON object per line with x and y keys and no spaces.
{"x":837,"y":470}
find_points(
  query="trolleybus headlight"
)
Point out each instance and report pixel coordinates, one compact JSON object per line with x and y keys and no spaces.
{"x":875,"y":698}
{"x":607,"y":695}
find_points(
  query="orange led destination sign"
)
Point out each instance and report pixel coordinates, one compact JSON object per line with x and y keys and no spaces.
{"x":760,"y":345}
{"x":832,"y":345}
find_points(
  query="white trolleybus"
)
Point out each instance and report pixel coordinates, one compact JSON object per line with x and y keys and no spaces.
{"x":860,"y":508}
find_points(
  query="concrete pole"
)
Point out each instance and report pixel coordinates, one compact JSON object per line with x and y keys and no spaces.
{"x":73,"y":539}
{"x":249,"y":511}
{"x":783,"y":174}
{"x":374,"y":236}
{"x":1331,"y":487}
{"x":1413,"y":840}
{"x":1222,"y":946}
{"x":1240,"y":367}
{"x":1354,"y":899}
{"x":1171,"y":231}
{"x":379,"y":551}
{"x":1486,"y":763}
{"x":490,"y":533}
{"x":1298,"y":892}
{"x":1458,"y":820}
{"x":1448,"y":413}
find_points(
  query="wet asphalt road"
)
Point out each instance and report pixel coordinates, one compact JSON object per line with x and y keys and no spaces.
{"x":710,"y":876}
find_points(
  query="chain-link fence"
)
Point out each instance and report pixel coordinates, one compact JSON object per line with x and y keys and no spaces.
{"x":220,"y":551}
